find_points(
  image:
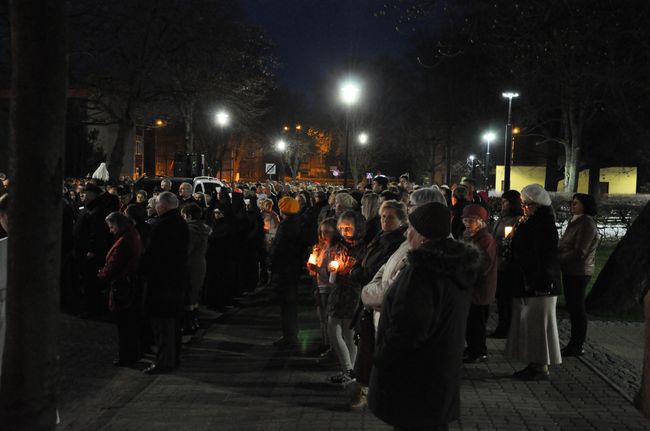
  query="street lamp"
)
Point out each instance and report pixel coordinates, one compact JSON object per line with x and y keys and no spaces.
{"x":349,"y":93}
{"x":363,"y":138}
{"x":223,"y":120}
{"x":488,"y":137}
{"x":281,"y":145}
{"x":508,"y":141}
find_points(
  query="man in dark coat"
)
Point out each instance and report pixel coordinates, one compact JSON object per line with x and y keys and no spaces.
{"x":285,"y":255}
{"x":164,"y":265}
{"x":91,"y":243}
{"x":415,"y":381}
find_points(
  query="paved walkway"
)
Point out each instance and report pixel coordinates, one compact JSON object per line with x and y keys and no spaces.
{"x":233,"y":379}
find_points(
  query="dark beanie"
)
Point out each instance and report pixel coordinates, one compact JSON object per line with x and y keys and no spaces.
{"x":93,"y":188}
{"x":512,"y":196}
{"x":431,"y":220}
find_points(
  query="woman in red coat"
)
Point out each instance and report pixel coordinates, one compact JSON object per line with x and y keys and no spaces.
{"x":475,"y":218}
{"x":120,"y":273}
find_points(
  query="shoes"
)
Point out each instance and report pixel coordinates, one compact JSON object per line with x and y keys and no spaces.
{"x":154,"y":369}
{"x":285,"y":342}
{"x":474,"y":359}
{"x":359,"y":399}
{"x":343,"y":378}
{"x":320,"y":351}
{"x":530,"y":374}
{"x":572,"y":351}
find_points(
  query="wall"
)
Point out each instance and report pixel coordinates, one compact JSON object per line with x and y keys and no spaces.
{"x":521,"y":176}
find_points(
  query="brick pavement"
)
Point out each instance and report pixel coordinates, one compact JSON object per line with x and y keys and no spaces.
{"x":233,"y":379}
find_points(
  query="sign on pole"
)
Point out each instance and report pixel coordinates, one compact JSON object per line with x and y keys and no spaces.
{"x":269,"y":168}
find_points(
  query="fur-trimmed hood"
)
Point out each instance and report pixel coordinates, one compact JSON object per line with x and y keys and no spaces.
{"x":450,"y":258}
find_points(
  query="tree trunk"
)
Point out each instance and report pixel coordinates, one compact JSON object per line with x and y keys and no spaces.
{"x":625,"y":274}
{"x":29,"y":368}
{"x":571,"y":167}
{"x":124,"y":133}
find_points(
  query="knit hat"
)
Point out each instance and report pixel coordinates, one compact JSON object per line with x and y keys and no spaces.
{"x":431,"y":220}
{"x":289,"y":205}
{"x":475,"y":211}
{"x":536,"y":193}
{"x":382,"y":180}
{"x":93,"y":188}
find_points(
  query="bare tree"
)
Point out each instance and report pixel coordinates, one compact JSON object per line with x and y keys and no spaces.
{"x":27,"y":389}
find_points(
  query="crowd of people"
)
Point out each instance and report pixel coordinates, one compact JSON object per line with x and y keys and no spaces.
{"x":403,"y":276}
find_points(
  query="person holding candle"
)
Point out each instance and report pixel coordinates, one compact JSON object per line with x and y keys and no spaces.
{"x":415,"y":380}
{"x":502,"y":231}
{"x":533,"y":336}
{"x":345,"y":293}
{"x":322,"y":254}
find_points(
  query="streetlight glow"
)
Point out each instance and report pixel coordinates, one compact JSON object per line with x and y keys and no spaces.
{"x":510,"y":94}
{"x":349,"y":92}
{"x":223,"y":118}
{"x":363,"y":138}
{"x":281,"y":145}
{"x":472,"y":157}
{"x":489,"y":137}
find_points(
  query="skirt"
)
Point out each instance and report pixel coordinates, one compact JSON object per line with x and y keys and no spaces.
{"x":533,"y":336}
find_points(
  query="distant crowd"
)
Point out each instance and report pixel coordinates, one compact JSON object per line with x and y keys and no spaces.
{"x":403,"y":276}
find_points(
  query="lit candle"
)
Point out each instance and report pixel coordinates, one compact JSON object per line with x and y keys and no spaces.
{"x":333,"y":267}
{"x":312,"y":259}
{"x":508,"y":231}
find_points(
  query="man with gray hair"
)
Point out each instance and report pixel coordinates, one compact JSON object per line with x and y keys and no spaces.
{"x":163,"y":265}
{"x":185,"y":195}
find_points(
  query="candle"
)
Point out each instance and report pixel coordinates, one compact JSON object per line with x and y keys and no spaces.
{"x":333,"y":267}
{"x":508,"y":231}
{"x":312,"y":259}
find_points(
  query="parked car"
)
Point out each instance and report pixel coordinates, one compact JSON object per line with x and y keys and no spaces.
{"x":206,"y":185}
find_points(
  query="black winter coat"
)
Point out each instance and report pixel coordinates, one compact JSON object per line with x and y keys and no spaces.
{"x":287,"y":249}
{"x":415,"y":381}
{"x":535,"y":255}
{"x":164,"y":265}
{"x":377,"y":253}
{"x":91,"y":234}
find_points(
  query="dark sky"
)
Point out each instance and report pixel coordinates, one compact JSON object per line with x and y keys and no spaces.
{"x":315,"y":37}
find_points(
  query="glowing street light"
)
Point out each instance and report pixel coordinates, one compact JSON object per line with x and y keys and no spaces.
{"x":363,"y":138}
{"x":223,"y":118}
{"x":349,"y":93}
{"x":488,"y":137}
{"x":281,"y":145}
{"x":508,"y":140}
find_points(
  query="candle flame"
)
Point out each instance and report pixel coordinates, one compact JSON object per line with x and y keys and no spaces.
{"x":508,"y":231}
{"x":312,"y":259}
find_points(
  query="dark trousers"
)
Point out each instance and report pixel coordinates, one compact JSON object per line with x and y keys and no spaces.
{"x":504,"y":302}
{"x":575,"y":287}
{"x":286,"y":286}
{"x":475,"y":334}
{"x":167,"y":333}
{"x":128,"y":331}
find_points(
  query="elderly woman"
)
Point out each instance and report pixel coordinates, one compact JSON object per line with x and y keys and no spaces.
{"x":120,"y":272}
{"x":415,"y":381}
{"x":577,"y":254}
{"x":475,"y":219}
{"x":533,"y":336}
{"x":344,"y":202}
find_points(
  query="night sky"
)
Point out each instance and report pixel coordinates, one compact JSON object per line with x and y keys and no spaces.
{"x":314,"y":37}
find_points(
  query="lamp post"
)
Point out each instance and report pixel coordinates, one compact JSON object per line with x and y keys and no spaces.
{"x":508,"y":141}
{"x":222,"y":119}
{"x":349,"y":93}
{"x":488,"y":137}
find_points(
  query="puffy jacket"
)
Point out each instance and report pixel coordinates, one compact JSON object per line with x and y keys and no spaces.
{"x":577,"y":249}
